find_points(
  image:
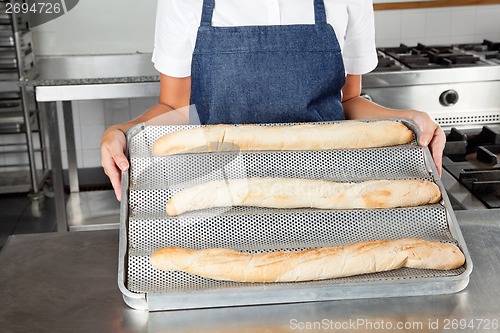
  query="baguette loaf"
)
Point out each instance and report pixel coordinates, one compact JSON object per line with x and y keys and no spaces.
{"x":303,"y":193}
{"x":343,"y":135}
{"x":312,"y":264}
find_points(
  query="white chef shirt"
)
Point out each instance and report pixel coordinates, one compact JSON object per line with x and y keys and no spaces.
{"x":177,"y":23}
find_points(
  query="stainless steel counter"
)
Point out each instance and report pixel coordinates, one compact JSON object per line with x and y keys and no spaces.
{"x":92,"y":69}
{"x":69,"y":78}
{"x":67,"y":282}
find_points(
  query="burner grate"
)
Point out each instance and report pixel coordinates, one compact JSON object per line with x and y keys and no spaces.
{"x":441,"y":56}
{"x":484,"y":183}
{"x":473,"y":159}
{"x":488,"y":154}
{"x":485,"y":46}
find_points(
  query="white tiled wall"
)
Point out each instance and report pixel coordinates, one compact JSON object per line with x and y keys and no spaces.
{"x":97,"y":27}
{"x":437,"y":25}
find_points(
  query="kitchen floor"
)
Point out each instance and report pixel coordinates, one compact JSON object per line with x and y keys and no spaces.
{"x":16,"y":217}
{"x":15,"y":209}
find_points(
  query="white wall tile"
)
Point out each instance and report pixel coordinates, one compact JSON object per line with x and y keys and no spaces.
{"x":75,"y":106}
{"x":140,"y":105}
{"x":77,"y":128}
{"x":437,"y":40}
{"x":388,"y":42}
{"x":91,"y":158}
{"x":488,"y":20}
{"x":412,"y":41}
{"x":91,"y":136}
{"x":116,"y":111}
{"x":91,"y":112}
{"x":462,"y":39}
{"x":412,"y":24}
{"x":463,"y":21}
{"x":388,"y":24}
{"x":438,"y":22}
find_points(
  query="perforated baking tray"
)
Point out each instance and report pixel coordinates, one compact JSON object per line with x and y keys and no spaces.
{"x":145,"y":226}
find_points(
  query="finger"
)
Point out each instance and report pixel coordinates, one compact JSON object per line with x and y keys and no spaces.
{"x":436,"y":147}
{"x":438,"y":160}
{"x":112,"y":171}
{"x":426,"y":137}
{"x":116,"y":182}
{"x":116,"y":151}
{"x":117,"y":186}
{"x":114,"y":175}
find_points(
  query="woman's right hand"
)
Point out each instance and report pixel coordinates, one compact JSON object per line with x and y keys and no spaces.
{"x":113,"y":157}
{"x":174,"y":95}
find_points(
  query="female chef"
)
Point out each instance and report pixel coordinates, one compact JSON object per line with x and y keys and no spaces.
{"x":264,"y":61}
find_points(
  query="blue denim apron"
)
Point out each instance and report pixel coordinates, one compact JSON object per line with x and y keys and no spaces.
{"x":267,"y":74}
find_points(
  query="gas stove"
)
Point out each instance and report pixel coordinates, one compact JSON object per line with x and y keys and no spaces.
{"x":487,"y":50}
{"x":472,"y":157}
{"x":422,"y":56}
{"x":459,"y":86}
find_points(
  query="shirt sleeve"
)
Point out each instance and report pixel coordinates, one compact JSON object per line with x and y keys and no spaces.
{"x":176,"y":27}
{"x":359,"y":53}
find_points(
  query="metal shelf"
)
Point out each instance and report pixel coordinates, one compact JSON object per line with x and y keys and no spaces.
{"x":20,"y":181}
{"x":18,"y":113}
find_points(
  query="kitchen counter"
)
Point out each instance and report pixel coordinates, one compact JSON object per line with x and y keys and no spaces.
{"x":69,"y":78}
{"x":92,"y":69}
{"x":67,"y":282}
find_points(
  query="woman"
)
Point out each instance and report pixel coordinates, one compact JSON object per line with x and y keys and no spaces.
{"x":264,"y":61}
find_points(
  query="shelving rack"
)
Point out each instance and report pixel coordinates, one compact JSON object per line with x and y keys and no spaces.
{"x":23,"y":161}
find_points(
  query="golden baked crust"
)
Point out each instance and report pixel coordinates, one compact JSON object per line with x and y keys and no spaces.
{"x":303,"y":193}
{"x":342,"y":135}
{"x":313,"y":264}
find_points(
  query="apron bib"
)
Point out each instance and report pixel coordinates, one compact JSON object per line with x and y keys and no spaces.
{"x":267,"y":74}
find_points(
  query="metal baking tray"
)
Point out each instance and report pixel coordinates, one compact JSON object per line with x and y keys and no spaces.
{"x":145,"y":226}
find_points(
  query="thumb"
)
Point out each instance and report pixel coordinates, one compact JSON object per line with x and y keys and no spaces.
{"x":426,"y":134}
{"x":425,"y":138}
{"x":121,"y":161}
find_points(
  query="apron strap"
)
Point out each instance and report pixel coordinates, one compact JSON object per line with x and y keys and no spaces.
{"x":319,"y":11}
{"x":207,"y":12}
{"x":209,"y":5}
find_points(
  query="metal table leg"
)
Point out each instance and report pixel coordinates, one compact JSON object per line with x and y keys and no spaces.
{"x":49,"y":110}
{"x":69,"y":129}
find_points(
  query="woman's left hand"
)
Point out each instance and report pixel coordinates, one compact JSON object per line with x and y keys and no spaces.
{"x":432,"y":136}
{"x":357,"y":107}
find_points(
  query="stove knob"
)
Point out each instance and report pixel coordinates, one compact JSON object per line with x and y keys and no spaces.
{"x":448,"y":98}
